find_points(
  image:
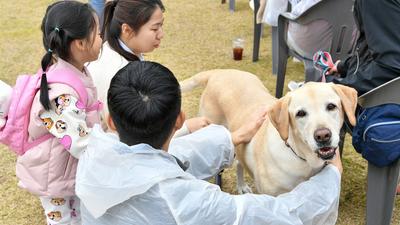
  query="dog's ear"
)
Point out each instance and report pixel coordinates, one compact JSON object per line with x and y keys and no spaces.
{"x":279,"y":116}
{"x":348,"y":97}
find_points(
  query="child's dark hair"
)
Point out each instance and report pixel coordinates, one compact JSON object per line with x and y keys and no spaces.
{"x":63,"y":22}
{"x":144,"y":101}
{"x":135,"y":13}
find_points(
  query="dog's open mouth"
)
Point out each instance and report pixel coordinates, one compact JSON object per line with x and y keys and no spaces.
{"x":326,"y":153}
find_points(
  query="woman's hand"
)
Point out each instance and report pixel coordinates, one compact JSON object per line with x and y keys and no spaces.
{"x":337,"y":162}
{"x":197,"y":123}
{"x":333,"y":70}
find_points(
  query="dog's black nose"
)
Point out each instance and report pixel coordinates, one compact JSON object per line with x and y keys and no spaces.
{"x":322,"y":135}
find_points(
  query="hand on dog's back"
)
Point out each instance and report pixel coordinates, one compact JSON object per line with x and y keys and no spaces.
{"x":246,"y":132}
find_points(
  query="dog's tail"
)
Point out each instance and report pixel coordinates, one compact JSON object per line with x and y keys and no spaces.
{"x":198,"y":80}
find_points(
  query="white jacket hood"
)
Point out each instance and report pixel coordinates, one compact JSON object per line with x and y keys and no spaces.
{"x":111,"y":172}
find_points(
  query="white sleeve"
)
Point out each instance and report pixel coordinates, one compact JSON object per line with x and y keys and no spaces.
{"x":272,"y":11}
{"x":302,"y":6}
{"x":208,"y":150}
{"x":313,"y":202}
{"x":68,"y":123}
{"x":182,"y":132}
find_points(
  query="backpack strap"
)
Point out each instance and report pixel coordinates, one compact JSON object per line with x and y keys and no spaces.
{"x":97,"y":106}
{"x":69,"y":78}
{"x":38,"y":141}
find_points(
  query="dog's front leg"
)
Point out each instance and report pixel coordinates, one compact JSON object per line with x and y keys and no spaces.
{"x":242,"y":187}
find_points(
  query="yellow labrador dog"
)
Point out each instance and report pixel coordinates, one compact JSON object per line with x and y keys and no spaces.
{"x":301,"y":133}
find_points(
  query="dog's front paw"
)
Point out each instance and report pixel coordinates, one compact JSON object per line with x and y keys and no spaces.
{"x":243,"y":189}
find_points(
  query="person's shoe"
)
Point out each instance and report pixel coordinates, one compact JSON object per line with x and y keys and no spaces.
{"x":293,"y":85}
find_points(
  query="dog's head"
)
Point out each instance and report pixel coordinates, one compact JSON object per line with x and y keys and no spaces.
{"x":311,"y":117}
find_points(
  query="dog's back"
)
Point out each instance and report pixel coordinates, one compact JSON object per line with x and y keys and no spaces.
{"x":229,"y":95}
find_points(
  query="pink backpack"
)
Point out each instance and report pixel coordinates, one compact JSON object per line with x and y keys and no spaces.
{"x":14,"y":133}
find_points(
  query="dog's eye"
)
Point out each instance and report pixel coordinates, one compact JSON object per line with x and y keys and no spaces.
{"x":301,"y":113}
{"x":331,"y":106}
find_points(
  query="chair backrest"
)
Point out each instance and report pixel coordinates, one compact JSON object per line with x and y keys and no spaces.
{"x":384,"y":94}
{"x":339,"y":14}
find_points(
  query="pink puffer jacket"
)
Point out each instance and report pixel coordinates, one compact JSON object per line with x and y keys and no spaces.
{"x":48,"y":169}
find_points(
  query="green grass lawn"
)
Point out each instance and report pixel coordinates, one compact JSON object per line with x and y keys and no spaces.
{"x":198,"y":37}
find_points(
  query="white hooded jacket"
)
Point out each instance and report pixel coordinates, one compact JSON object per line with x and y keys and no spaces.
{"x":126,"y":185}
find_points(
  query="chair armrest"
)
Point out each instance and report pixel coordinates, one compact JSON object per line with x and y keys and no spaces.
{"x":288,"y":16}
{"x":304,"y":4}
{"x":292,"y":16}
{"x":314,"y":9}
{"x":321,"y":10}
{"x":383,"y":94}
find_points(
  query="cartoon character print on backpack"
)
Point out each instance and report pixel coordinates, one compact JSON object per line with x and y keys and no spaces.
{"x":62,"y":102}
{"x":82,"y":130}
{"x":57,"y":201}
{"x":58,"y":119}
{"x":61,"y":126}
{"x":54,"y":215}
{"x":77,"y":112}
{"x":72,"y":207}
{"x":48,"y":123}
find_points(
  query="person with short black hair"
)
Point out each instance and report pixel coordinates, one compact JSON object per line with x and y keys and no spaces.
{"x":136,"y":179}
